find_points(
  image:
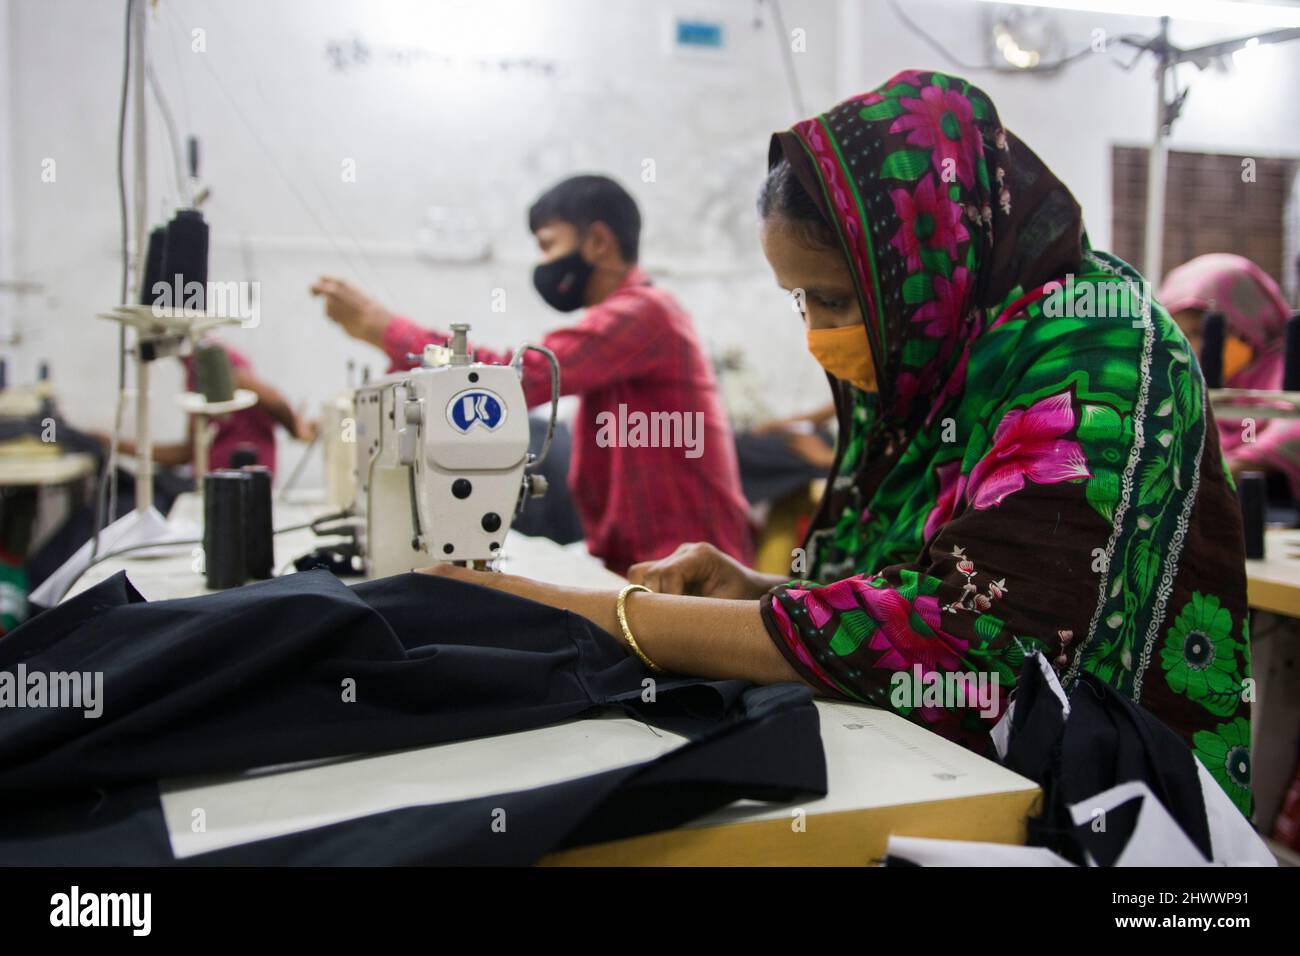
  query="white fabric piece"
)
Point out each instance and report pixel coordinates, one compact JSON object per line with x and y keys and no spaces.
{"x":1001,"y":732}
{"x":1054,"y":682}
{"x":1156,"y":840}
{"x":132,"y":529}
{"x":924,"y":851}
{"x":1233,"y":840}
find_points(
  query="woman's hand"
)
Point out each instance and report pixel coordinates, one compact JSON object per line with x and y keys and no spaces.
{"x":701,"y":569}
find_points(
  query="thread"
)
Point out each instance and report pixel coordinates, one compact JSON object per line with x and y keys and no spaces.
{"x":1251,"y":489}
{"x":225,"y":495}
{"x":212,"y":372}
{"x":153,"y":265}
{"x":259,"y":540}
{"x":185,"y":259}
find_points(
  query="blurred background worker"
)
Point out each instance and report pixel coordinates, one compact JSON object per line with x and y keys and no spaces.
{"x":1254,"y":315}
{"x":249,"y":431}
{"x":634,"y":350}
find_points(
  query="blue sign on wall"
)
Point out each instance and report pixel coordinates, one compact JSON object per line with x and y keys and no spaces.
{"x":699,"y":33}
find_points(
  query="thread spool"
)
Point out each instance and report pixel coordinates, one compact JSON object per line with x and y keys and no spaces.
{"x":1251,"y":490}
{"x":153,"y":265}
{"x":1212,"y":349}
{"x":225,"y":495}
{"x":259,"y":541}
{"x":1291,"y":366}
{"x":185,"y":258}
{"x":212,"y":373}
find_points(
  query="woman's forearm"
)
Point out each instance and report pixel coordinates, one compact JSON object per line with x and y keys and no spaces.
{"x":704,"y":637}
{"x":707,"y":637}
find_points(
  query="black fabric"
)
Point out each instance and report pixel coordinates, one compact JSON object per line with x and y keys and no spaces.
{"x":254,"y":677}
{"x":1106,"y":740}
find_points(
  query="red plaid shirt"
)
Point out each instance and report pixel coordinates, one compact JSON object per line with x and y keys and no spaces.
{"x":635,"y":352}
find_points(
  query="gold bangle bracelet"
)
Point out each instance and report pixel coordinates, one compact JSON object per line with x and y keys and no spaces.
{"x":627,"y":631}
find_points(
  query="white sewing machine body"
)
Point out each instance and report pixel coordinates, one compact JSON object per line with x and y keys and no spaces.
{"x":441,"y":462}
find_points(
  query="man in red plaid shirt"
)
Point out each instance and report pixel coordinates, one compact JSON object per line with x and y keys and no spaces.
{"x":654,"y":463}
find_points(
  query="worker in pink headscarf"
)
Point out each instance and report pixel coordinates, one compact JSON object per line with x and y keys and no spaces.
{"x":1255,"y":315}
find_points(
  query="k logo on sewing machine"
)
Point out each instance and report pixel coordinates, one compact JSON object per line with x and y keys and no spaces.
{"x":475,"y":406}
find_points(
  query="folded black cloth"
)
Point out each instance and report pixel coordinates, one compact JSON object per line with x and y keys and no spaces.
{"x":1103,"y":740}
{"x":304,"y":667}
{"x":1119,"y":787}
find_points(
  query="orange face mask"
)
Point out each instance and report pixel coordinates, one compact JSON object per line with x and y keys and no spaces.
{"x":845,"y":353}
{"x":1236,"y":356}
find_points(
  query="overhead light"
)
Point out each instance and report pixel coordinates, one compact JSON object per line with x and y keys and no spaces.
{"x":1229,"y":12}
{"x":1024,"y":39}
{"x":1011,"y":51}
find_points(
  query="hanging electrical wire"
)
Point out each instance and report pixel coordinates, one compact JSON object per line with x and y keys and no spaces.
{"x":173,"y":138}
{"x":107,"y":483}
{"x":295,"y":182}
{"x":787,"y":58}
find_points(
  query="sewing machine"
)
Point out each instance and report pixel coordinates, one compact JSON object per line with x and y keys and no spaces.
{"x":442,"y":459}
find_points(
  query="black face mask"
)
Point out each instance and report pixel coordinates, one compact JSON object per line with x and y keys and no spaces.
{"x":563,"y":281}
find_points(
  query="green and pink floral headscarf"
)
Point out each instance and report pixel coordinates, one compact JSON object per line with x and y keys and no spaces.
{"x":1034,"y":474}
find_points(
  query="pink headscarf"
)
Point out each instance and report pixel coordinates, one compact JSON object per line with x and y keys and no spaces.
{"x":1254,"y":311}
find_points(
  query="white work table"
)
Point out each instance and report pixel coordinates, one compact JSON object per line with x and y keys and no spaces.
{"x":16,"y":470}
{"x":886,"y":775}
{"x":170,"y":571}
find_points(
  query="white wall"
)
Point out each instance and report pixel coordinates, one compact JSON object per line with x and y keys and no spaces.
{"x":277,"y":121}
{"x":1073,"y":118}
{"x":8,"y":295}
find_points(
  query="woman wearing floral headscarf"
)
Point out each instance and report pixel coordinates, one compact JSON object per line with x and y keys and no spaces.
{"x":1255,"y":315}
{"x":1025,"y":460}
